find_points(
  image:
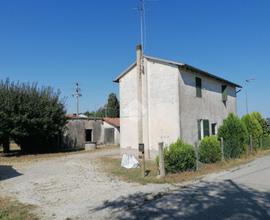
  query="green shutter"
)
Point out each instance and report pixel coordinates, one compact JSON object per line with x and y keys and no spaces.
{"x":199,"y":129}
{"x":206,"y":130}
{"x":198,"y":87}
{"x":224,"y":93}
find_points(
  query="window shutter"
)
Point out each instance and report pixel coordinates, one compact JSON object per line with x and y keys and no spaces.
{"x":206,"y":129}
{"x":198,"y":87}
{"x":199,"y":129}
{"x":224,"y":93}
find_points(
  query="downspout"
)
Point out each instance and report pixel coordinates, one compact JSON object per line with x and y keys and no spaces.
{"x":180,"y":106}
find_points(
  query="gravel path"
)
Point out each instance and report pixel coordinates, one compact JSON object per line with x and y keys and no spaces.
{"x":69,"y":187}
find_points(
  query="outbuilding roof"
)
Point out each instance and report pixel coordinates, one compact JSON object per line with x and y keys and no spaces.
{"x":113,"y":121}
{"x":180,"y":64}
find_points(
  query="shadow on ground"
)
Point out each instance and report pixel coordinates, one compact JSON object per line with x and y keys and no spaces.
{"x":7,"y":172}
{"x":205,"y":200}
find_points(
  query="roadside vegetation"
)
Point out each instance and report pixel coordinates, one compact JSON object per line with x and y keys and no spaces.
{"x":13,"y":210}
{"x":242,"y":141}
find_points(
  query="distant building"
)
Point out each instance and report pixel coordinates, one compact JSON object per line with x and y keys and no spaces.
{"x":162,"y":100}
{"x":84,"y":132}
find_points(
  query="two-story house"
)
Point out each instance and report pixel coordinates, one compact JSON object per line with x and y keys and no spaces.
{"x":162,"y":100}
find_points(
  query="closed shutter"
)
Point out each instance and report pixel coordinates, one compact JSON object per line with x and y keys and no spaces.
{"x":206,"y":129}
{"x":198,"y":87}
{"x":224,"y":93}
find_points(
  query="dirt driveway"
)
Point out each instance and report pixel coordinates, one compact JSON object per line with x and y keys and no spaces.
{"x":68,"y":187}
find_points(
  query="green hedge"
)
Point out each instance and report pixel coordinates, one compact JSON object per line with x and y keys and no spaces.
{"x":235,"y":135}
{"x":209,"y":150}
{"x":179,"y":156}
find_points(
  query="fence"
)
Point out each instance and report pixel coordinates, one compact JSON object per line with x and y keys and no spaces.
{"x":252,"y":145}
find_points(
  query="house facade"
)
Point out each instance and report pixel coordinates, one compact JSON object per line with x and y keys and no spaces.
{"x":161,"y":101}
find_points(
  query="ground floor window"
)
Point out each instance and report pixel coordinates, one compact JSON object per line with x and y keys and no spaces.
{"x":88,"y":135}
{"x":214,"y":128}
{"x":203,"y":128}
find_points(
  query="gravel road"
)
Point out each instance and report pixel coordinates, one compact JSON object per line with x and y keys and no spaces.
{"x":74,"y":187}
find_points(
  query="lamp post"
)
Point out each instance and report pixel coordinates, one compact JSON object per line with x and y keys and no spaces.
{"x":246,"y":82}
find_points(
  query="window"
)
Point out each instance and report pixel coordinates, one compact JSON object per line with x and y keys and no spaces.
{"x":203,"y":129}
{"x":214,"y":126}
{"x":198,"y":87}
{"x":88,"y":135}
{"x":224,"y":93}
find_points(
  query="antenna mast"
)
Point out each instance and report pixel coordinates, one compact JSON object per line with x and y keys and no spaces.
{"x":77,"y":94}
{"x":141,"y":9}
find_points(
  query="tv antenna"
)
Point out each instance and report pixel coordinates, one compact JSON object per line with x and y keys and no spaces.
{"x":141,"y":10}
{"x":77,"y":94}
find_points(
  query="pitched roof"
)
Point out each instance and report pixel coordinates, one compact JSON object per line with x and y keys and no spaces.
{"x":180,"y":65}
{"x":113,"y":121}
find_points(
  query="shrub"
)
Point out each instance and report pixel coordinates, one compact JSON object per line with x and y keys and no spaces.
{"x":209,"y":150}
{"x":262,"y":121}
{"x":254,"y":128}
{"x":234,"y":133}
{"x":179,"y":156}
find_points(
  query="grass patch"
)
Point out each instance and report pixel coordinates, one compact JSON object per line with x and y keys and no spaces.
{"x":13,"y":210}
{"x":113,"y":166}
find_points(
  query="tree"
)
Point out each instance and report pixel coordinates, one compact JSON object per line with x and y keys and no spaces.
{"x":234,"y":133}
{"x":263,"y":123}
{"x":6,"y":108}
{"x":33,"y":117}
{"x":111,"y":109}
{"x":253,"y":127}
{"x":112,"y":106}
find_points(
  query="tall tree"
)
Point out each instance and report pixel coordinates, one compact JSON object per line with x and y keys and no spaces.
{"x":33,"y":117}
{"x":113,"y":107}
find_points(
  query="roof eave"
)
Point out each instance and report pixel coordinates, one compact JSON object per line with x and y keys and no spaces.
{"x":124,"y":72}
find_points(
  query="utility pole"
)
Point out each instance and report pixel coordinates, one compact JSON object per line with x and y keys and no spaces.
{"x":77,"y":94}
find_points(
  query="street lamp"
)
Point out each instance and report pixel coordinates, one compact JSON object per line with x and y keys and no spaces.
{"x":246,"y":82}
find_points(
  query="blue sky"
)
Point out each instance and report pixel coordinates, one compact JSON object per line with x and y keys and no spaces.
{"x":61,"y":42}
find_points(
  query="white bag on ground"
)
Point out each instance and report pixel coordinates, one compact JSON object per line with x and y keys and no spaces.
{"x":129,"y":161}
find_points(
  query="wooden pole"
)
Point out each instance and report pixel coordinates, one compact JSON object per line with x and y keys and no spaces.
{"x":251,"y":143}
{"x":197,"y":156}
{"x":222,"y":148}
{"x":161,"y":160}
{"x":143,"y":164}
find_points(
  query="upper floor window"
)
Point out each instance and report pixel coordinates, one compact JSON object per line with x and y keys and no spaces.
{"x":198,"y":87}
{"x":224,"y":93}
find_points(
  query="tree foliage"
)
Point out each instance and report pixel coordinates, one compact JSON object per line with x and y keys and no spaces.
{"x":234,"y":133}
{"x":254,"y":128}
{"x":31,"y":116}
{"x":110,"y":109}
{"x":262,"y":121}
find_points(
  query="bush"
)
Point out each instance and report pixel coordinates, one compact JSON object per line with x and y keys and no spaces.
{"x":262,"y":121}
{"x":254,"y":128}
{"x":179,"y":157}
{"x":234,"y":133}
{"x":209,"y":150}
